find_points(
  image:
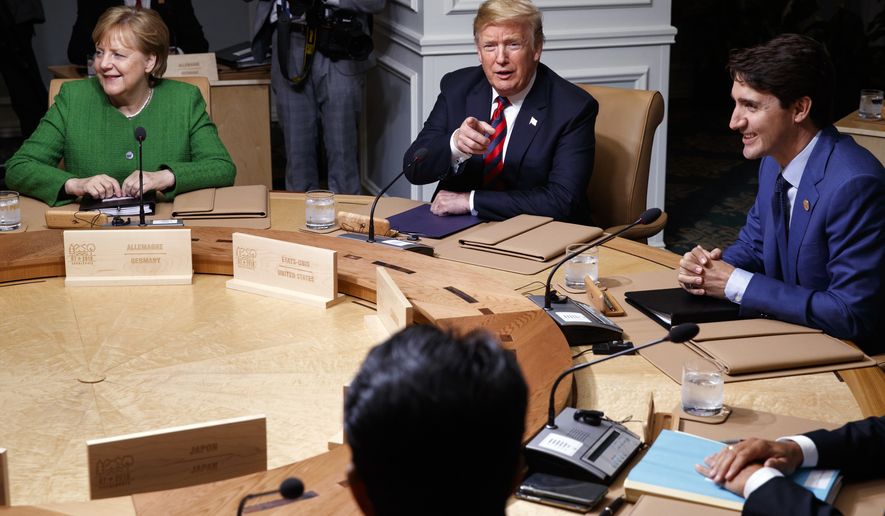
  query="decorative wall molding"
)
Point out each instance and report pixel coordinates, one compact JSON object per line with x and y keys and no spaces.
{"x":638,"y":75}
{"x":470,"y":6}
{"x":397,"y":70}
{"x":408,"y":4}
{"x":455,"y":44}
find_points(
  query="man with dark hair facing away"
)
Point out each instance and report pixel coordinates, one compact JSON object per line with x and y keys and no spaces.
{"x":812,"y":251}
{"x":435,"y":425}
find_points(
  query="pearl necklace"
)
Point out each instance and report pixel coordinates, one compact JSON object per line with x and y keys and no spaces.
{"x":146,"y":102}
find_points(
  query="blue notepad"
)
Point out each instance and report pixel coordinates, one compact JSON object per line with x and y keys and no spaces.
{"x":668,"y":470}
{"x":421,"y":222}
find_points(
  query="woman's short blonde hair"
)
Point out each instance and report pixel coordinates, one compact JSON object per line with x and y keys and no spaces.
{"x":141,"y":29}
{"x":510,"y":11}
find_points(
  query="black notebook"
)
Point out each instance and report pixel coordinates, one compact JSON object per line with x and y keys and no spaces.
{"x":670,"y":306}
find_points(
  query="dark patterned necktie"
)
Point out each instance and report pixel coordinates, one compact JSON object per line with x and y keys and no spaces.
{"x":782,"y":202}
{"x":138,"y":4}
{"x":493,"y":161}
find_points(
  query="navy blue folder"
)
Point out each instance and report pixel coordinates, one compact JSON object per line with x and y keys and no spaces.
{"x":419,"y":221}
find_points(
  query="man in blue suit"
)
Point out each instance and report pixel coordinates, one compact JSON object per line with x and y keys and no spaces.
{"x":755,"y":468}
{"x":812,"y":251}
{"x":510,"y":136}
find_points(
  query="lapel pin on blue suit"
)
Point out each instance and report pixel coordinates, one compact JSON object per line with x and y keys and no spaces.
{"x":806,"y":205}
{"x":533,"y":121}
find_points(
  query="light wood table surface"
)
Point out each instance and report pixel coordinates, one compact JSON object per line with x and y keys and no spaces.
{"x":176,"y":355}
{"x":867,"y":133}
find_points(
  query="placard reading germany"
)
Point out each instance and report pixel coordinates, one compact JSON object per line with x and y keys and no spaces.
{"x":128,"y":257}
{"x":285,"y":270}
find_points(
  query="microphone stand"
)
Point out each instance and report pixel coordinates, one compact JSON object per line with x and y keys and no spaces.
{"x":426,"y":250}
{"x":141,"y":221}
{"x":595,"y":449}
{"x":581,"y":330}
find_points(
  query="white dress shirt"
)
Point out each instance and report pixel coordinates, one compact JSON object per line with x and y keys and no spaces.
{"x":764,"y":474}
{"x":510,"y":114}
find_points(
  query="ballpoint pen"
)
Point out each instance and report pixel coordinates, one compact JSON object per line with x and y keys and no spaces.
{"x":613,"y":507}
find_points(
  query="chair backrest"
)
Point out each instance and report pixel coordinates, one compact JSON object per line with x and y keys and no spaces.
{"x":200,"y":82}
{"x":625,"y":130}
{"x":176,"y":457}
{"x":4,"y":479}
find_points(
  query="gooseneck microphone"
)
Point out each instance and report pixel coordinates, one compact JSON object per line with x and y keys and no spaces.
{"x":140,"y":135}
{"x":678,"y":334}
{"x":583,"y":444}
{"x":577,"y":328}
{"x":417,"y":157}
{"x":648,"y":216}
{"x":290,"y":489}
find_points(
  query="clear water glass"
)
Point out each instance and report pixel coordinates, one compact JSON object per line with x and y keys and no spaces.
{"x":319,"y":209}
{"x":702,"y":388}
{"x":584,"y":264}
{"x":870,"y":105}
{"x":10,"y":211}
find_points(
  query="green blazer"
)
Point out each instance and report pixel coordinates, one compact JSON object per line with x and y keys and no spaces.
{"x":92,"y":137}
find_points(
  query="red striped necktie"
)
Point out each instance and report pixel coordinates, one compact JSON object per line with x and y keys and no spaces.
{"x":494,"y":159}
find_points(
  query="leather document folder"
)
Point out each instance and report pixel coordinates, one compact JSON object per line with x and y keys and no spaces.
{"x":671,"y":306}
{"x":228,"y":202}
{"x":529,"y":237}
{"x":775,"y":352}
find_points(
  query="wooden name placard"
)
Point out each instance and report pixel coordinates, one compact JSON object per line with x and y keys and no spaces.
{"x":394,"y":310}
{"x":128,"y":257}
{"x":285,"y":270}
{"x":176,"y":457}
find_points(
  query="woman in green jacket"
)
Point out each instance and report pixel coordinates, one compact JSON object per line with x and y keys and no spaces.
{"x":91,"y":124}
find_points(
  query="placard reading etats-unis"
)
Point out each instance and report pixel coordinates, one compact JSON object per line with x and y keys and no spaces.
{"x":285,"y":270}
{"x":128,"y":257}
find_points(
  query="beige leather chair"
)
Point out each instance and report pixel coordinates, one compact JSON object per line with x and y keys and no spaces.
{"x":200,"y":82}
{"x":625,"y":130}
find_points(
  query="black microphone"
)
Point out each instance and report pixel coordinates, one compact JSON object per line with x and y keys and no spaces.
{"x":417,"y":157}
{"x":140,"y":135}
{"x":579,"y":332}
{"x":290,"y":489}
{"x":612,"y":445}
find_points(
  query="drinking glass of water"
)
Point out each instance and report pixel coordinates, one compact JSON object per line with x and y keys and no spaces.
{"x":870,"y":105}
{"x":319,"y":211}
{"x":702,"y":388}
{"x":10,"y":211}
{"x":584,"y":264}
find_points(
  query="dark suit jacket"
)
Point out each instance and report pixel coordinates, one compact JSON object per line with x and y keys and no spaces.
{"x":832,"y":275}
{"x":858,"y":449}
{"x":185,"y":31}
{"x":549,"y":157}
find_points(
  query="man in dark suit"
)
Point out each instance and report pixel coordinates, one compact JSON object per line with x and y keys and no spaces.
{"x":510,"y":136}
{"x":18,"y":63}
{"x":185,"y":31}
{"x":434,"y":423}
{"x":755,"y":468}
{"x":813,"y":249}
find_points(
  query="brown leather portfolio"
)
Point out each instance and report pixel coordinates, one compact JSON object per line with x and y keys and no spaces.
{"x":737,"y":341}
{"x":227,"y":203}
{"x":758,"y":354}
{"x":529,"y":237}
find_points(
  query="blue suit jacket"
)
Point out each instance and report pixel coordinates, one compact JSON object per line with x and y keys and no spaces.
{"x":858,"y":449}
{"x":831,"y":275}
{"x":549,"y":158}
